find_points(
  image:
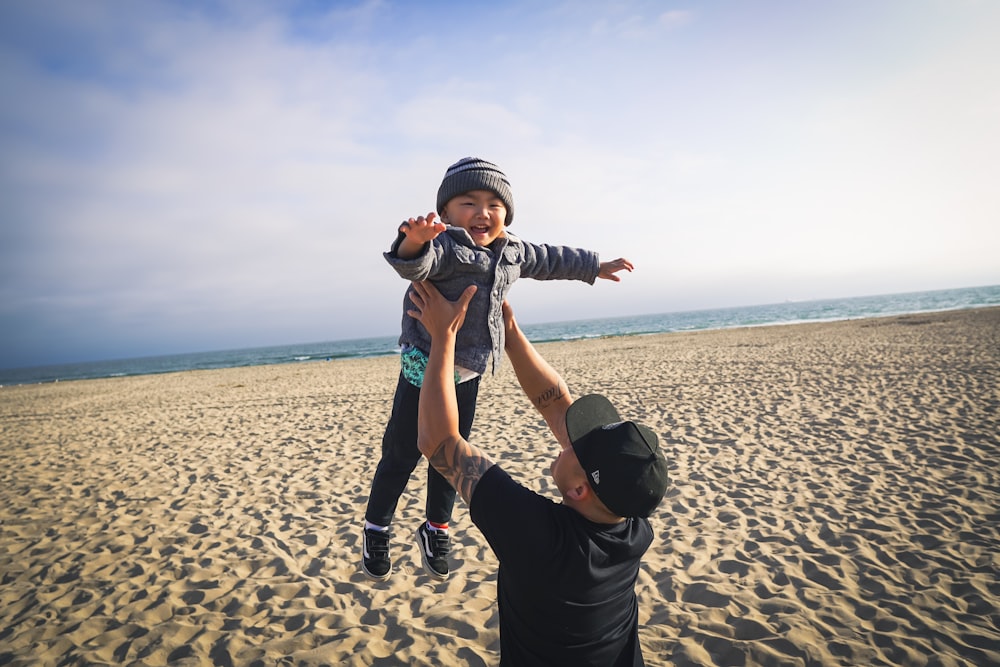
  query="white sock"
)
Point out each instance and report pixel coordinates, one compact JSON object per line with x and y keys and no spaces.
{"x":372,"y":526}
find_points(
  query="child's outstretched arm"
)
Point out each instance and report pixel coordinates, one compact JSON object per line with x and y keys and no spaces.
{"x":418,"y":232}
{"x":609,"y":269}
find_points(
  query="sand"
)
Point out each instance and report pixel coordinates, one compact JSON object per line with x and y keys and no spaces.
{"x":835,"y":500}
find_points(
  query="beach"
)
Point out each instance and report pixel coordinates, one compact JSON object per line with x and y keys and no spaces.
{"x":834,"y":500}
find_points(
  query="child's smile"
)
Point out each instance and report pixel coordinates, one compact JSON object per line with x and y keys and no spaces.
{"x":479,"y":232}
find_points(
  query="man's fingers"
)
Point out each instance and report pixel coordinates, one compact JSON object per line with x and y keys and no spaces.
{"x":467,"y":296}
{"x":419,"y":287}
{"x":419,"y":296}
{"x":424,"y":292}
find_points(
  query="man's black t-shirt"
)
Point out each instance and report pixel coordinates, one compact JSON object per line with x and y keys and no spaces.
{"x":566,"y":587}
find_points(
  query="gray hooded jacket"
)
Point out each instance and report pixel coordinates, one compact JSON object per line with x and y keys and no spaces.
{"x":453,"y":262}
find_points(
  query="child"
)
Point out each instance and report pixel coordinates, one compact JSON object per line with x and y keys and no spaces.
{"x":468,"y":245}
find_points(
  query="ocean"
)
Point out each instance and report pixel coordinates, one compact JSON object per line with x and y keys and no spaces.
{"x":718,"y":318}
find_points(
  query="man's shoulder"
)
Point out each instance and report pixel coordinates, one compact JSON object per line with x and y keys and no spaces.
{"x":498,"y":491}
{"x":498,"y":483}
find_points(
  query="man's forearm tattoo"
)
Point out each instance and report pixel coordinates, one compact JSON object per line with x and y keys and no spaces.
{"x":461,"y":464}
{"x":550,"y":395}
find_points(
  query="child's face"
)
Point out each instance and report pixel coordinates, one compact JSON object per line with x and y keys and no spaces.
{"x":479,"y":212}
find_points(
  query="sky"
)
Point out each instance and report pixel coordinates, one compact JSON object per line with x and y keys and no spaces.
{"x":193,"y":176}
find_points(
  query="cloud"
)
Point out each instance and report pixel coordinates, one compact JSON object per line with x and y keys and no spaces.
{"x":179,"y":176}
{"x":675,"y":18}
{"x":445,"y":119}
{"x":630,"y":21}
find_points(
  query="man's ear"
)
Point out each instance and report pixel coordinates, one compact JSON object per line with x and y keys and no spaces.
{"x":579,"y":492}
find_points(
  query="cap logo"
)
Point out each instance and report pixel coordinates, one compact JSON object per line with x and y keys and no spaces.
{"x":597,"y":476}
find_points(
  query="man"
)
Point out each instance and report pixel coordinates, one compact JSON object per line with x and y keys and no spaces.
{"x":566,"y":587}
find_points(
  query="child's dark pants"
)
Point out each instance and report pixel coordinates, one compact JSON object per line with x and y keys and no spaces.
{"x":400,"y":455}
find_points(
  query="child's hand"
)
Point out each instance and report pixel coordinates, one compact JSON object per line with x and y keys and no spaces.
{"x":609,"y":269}
{"x":419,"y":232}
{"x":422,"y":230}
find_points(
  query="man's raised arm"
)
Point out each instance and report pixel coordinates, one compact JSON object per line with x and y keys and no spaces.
{"x":543,"y":385}
{"x":438,"y":437}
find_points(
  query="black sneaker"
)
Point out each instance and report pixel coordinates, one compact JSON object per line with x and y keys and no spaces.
{"x":375,"y":554}
{"x":434,"y":547}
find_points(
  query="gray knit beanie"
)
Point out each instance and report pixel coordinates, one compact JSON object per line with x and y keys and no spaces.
{"x":471,"y":173}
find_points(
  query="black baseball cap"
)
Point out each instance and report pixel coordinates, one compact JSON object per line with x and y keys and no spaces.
{"x":622,"y":459}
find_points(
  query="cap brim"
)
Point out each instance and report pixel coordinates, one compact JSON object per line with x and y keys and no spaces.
{"x":587,"y":413}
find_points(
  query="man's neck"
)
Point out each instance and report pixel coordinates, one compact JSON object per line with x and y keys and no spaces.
{"x":592,"y":512}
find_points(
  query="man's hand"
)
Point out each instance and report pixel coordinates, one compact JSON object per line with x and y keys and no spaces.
{"x":609,"y":269}
{"x":439,"y":315}
{"x":543,"y":386}
{"x":509,"y":324}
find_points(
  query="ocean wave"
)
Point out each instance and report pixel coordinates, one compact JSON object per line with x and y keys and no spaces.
{"x":720,"y":318}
